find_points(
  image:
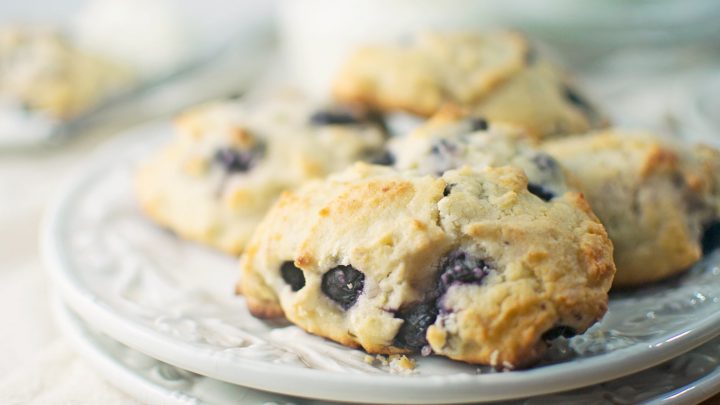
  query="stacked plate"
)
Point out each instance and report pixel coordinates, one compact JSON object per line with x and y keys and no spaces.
{"x":157,"y":315}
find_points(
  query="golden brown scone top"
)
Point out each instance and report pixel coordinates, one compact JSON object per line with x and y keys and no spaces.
{"x":496,"y":74}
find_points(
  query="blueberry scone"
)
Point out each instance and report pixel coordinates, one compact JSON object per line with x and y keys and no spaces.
{"x":453,"y":138}
{"x":42,"y":71}
{"x":497,"y":75}
{"x":230,"y":160}
{"x":469,"y":265}
{"x":655,"y":199}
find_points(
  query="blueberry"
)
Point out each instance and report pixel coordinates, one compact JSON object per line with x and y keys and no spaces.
{"x":448,"y":188}
{"x":461,"y":268}
{"x":292,"y":275}
{"x":556,"y":332}
{"x":416,"y":321}
{"x":443,"y":154}
{"x":333,"y":117}
{"x":711,"y":237}
{"x":540,"y":191}
{"x":376,"y":118}
{"x":545,"y":162}
{"x":343,"y":284}
{"x":478,"y":124}
{"x":531,"y":56}
{"x":442,"y":147}
{"x":575,"y":99}
{"x":386,"y":158}
{"x":456,"y":268}
{"x":236,"y":160}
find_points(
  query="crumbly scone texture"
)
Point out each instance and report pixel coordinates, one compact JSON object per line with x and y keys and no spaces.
{"x":496,"y":74}
{"x":43,"y":71}
{"x":453,"y":138}
{"x":230,"y":160}
{"x":469,"y":265}
{"x":654,"y":197}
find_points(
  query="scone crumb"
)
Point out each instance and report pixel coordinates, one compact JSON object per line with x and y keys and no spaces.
{"x":397,"y":363}
{"x":377,"y":360}
{"x":401,"y":364}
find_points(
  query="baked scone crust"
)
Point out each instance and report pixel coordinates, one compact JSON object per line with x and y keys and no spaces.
{"x":497,"y":75}
{"x":654,"y":197}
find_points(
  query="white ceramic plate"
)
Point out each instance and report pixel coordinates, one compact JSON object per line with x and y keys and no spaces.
{"x":686,"y":379}
{"x":174,"y":301}
{"x":149,"y":380}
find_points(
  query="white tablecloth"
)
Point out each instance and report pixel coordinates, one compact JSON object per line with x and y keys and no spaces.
{"x":36,"y":365}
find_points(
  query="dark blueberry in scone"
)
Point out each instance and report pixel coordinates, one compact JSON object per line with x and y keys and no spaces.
{"x":448,"y":189}
{"x":545,"y":162}
{"x":343,"y":284}
{"x":377,"y":118}
{"x":443,"y":147}
{"x":386,"y":158}
{"x":456,"y":268}
{"x":416,"y":321}
{"x":531,"y":56}
{"x":542,"y":192}
{"x":237,"y":160}
{"x":333,"y":117}
{"x":461,"y":268}
{"x":478,"y":124}
{"x":292,"y":275}
{"x":556,"y":332}
{"x":711,"y":237}
{"x":443,"y":152}
{"x":577,"y":100}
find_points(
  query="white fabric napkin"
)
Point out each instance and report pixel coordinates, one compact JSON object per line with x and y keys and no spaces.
{"x":56,"y":375}
{"x":36,"y":365}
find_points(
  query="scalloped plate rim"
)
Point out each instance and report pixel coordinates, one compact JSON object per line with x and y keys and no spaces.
{"x":124,"y":378}
{"x":323,"y":384}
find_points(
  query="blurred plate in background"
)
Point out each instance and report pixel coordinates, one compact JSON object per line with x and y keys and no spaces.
{"x":181,"y":51}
